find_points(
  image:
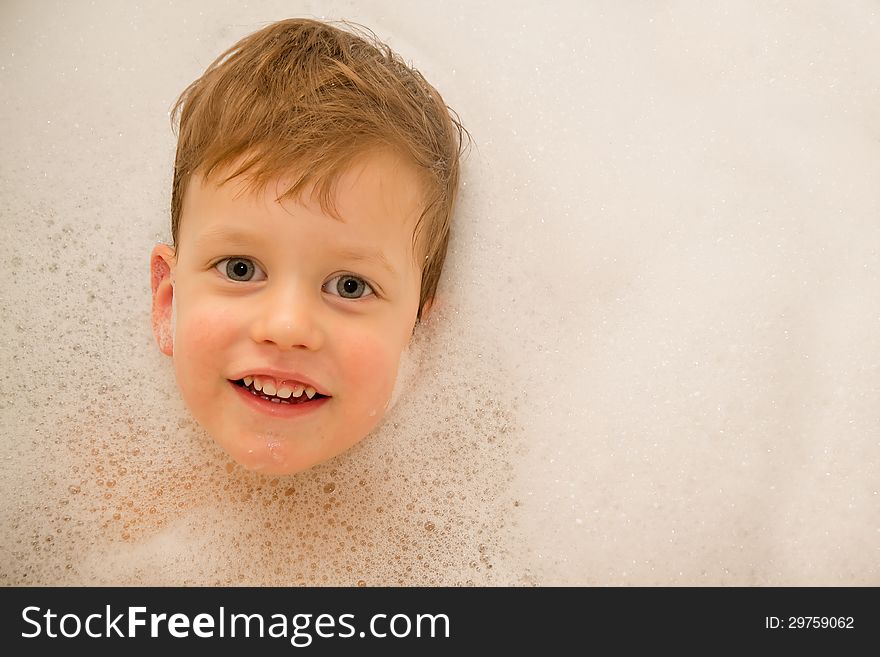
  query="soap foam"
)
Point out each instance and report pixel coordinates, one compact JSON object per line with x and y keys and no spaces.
{"x":654,"y":363}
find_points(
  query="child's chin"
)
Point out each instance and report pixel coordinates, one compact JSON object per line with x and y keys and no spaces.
{"x":270,"y":456}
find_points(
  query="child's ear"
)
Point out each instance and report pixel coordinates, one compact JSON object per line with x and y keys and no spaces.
{"x":161,"y":264}
{"x":430,"y":304}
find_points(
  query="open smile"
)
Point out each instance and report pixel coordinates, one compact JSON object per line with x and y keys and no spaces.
{"x":277,"y":406}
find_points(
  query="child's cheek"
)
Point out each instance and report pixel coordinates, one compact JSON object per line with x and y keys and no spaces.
{"x":202,"y":334}
{"x":371,"y":366}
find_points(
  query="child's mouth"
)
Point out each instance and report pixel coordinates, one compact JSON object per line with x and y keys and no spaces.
{"x":275,"y":399}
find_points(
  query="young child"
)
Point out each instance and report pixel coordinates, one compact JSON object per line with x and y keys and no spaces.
{"x":314,"y":184}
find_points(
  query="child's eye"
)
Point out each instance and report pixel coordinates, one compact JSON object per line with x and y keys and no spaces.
{"x":348,"y":286}
{"x":243,"y":270}
{"x":237,"y":269}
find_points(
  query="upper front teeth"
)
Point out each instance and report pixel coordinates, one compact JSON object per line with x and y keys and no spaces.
{"x":285,"y":392}
{"x":268,"y":386}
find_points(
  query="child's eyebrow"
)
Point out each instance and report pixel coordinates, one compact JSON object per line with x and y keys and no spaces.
{"x":238,"y":237}
{"x":375,"y":256}
{"x":225,"y":235}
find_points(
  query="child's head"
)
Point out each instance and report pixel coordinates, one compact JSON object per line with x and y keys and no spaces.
{"x":313,"y":189}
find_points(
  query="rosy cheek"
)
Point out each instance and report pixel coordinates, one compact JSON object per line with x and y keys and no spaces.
{"x":202,"y":334}
{"x":369,"y":363}
{"x":209,"y":324}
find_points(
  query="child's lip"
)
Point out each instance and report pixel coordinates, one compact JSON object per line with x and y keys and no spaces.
{"x":281,"y":377}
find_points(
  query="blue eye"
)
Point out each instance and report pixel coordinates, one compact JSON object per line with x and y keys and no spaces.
{"x":237,"y":269}
{"x":349,"y":287}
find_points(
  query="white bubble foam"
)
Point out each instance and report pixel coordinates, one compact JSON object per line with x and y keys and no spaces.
{"x":655,"y":356}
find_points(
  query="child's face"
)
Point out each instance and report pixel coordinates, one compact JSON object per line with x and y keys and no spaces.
{"x":285,"y":293}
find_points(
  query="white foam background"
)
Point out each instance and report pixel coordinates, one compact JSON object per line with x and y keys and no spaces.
{"x":656,"y":356}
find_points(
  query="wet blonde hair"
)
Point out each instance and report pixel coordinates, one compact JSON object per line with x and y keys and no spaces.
{"x":306,"y":98}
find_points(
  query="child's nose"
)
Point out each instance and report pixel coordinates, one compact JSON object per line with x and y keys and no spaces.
{"x":288,"y":318}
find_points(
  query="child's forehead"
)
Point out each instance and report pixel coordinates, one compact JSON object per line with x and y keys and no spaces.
{"x":378,"y":182}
